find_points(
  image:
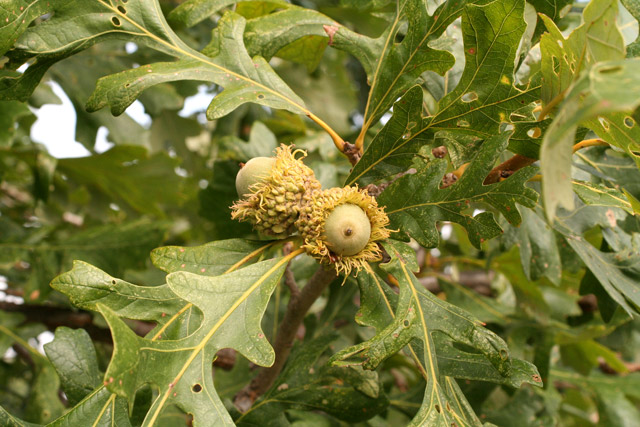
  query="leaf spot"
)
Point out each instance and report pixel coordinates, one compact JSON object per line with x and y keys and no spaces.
{"x":610,"y":70}
{"x":469,"y":97}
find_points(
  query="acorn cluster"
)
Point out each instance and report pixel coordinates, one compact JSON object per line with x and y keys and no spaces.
{"x":281,"y":196}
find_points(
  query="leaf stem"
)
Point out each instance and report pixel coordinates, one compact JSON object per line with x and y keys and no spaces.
{"x":547,"y":108}
{"x":296,"y":311}
{"x":589,"y":143}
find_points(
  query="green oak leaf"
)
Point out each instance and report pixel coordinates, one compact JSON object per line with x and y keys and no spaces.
{"x":615,"y":395}
{"x":418,"y":316}
{"x":393,"y":67}
{"x":536,"y":240}
{"x":232,"y":305}
{"x":129,"y":175}
{"x":415,"y":202}
{"x":617,"y":271}
{"x":378,"y":303}
{"x":88,"y":286}
{"x":593,"y":41}
{"x":210,"y":259}
{"x":389,"y":152}
{"x":113,"y":247}
{"x":192,"y":12}
{"x":633,"y":6}
{"x":74,"y":358}
{"x":76,"y":25}
{"x":599,"y":195}
{"x":342,"y":392}
{"x":15,"y":17}
{"x":224,"y":61}
{"x":602,"y":100}
{"x":482,"y":101}
{"x":42,"y":404}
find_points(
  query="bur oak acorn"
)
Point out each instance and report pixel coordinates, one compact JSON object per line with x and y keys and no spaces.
{"x":272,"y":191}
{"x":347,"y":229}
{"x":254,"y":171}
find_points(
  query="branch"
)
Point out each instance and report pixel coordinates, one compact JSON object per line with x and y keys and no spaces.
{"x":296,"y":310}
{"x":508,"y":168}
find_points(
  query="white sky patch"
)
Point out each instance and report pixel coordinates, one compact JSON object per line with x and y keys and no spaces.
{"x":55,"y":127}
{"x":130,"y":47}
{"x":446,"y":231}
{"x":385,"y":118}
{"x":197,"y":103}
{"x":102,"y":143}
{"x":137,"y":113}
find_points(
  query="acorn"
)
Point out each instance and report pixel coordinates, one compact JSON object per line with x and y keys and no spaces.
{"x":273,"y":190}
{"x":341,"y":227}
{"x":254,"y":171}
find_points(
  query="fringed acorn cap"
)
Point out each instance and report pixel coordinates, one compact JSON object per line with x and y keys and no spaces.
{"x":275,"y":200}
{"x":341,"y":227}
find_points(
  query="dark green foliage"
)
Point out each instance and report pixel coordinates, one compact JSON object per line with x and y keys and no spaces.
{"x":508,"y":293}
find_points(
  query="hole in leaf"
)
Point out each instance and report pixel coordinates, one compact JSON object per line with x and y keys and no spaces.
{"x":438,"y":408}
{"x":127,"y":84}
{"x":462,"y":123}
{"x":560,"y":43}
{"x":115,"y":21}
{"x":197,"y":388}
{"x":113,"y":282}
{"x":555,"y":65}
{"x":629,"y":122}
{"x":503,"y":354}
{"x":610,"y":70}
{"x":124,"y":1}
{"x":405,"y":323}
{"x":603,"y":123}
{"x":469,"y":97}
{"x":261,"y":96}
{"x":572,"y":67}
{"x":122,"y":10}
{"x":534,"y":132}
{"x":506,"y":127}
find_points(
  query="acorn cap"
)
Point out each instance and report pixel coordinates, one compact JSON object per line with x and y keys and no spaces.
{"x":274,"y":201}
{"x":312,"y":225}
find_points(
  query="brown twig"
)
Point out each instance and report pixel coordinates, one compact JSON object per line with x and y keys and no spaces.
{"x":508,"y":168}
{"x":352,"y":152}
{"x":296,"y":310}
{"x":289,"y":278}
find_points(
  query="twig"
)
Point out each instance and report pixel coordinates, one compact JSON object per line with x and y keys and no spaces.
{"x":508,"y":168}
{"x":296,"y":310}
{"x":289,"y":278}
{"x":352,"y":152}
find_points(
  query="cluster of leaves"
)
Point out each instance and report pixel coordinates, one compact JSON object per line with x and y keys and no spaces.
{"x":425,"y":90}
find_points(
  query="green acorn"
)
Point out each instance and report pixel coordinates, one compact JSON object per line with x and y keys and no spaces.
{"x":341,"y":227}
{"x":273,"y":190}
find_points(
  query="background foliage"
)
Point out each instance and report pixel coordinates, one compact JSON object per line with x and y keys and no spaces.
{"x":501,"y":136}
